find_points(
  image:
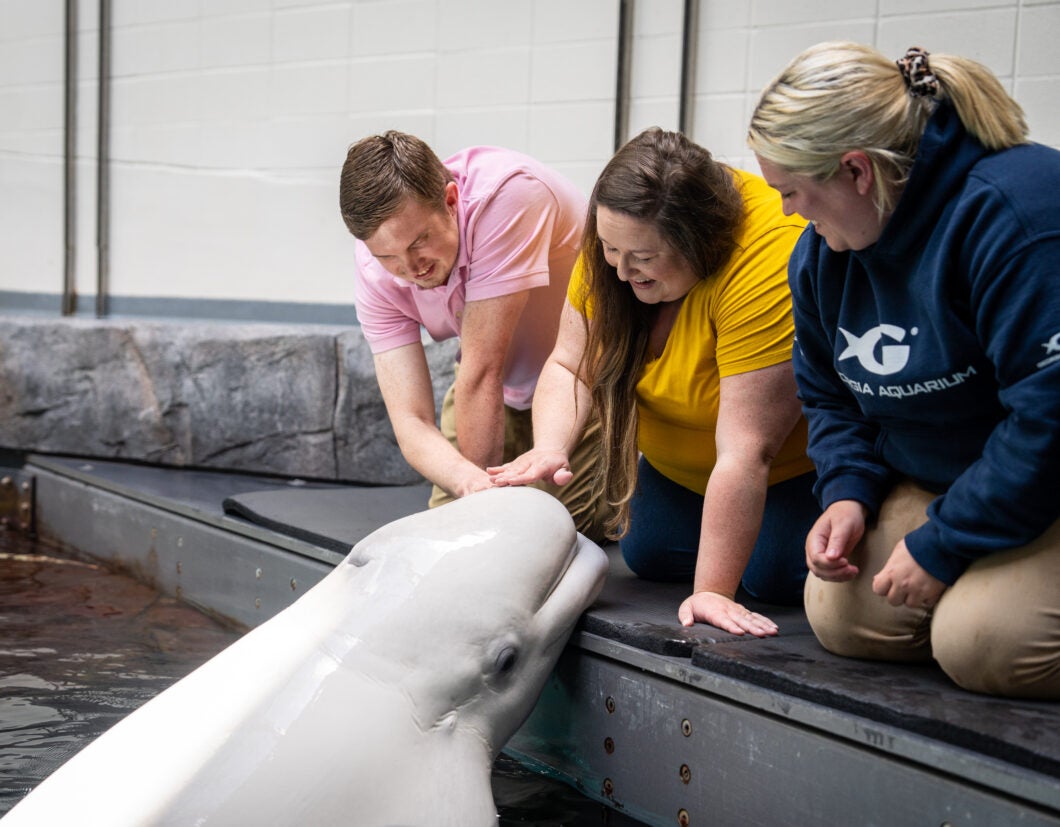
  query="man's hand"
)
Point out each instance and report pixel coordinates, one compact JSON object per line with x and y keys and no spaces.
{"x":725,"y":613}
{"x":475,"y":480}
{"x":835,"y":534}
{"x":903,"y":581}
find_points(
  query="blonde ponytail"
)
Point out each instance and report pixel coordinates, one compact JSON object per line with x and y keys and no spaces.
{"x":838,"y":97}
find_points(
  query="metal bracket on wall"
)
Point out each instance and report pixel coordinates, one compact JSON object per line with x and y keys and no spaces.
{"x":17,"y":491}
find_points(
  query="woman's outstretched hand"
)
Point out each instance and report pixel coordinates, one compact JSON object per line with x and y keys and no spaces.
{"x":536,"y":464}
{"x":725,"y":613}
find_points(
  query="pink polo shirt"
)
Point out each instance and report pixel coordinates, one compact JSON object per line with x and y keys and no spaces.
{"x":520,"y":224}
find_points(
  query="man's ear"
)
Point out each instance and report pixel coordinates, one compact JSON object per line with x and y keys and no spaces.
{"x":452,"y":195}
{"x":859,"y":167}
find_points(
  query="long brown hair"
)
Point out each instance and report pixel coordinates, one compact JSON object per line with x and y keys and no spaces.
{"x":667,"y":180}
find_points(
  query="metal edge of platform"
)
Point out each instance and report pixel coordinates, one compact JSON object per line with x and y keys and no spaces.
{"x":666,"y":754}
{"x":178,"y":554}
{"x":177,"y":549}
{"x":234,"y":525}
{"x":936,"y":757}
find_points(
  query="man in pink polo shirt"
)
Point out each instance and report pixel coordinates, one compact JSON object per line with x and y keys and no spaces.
{"x":479,"y":246}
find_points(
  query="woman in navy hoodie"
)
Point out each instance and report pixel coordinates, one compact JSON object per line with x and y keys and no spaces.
{"x":927,"y":318}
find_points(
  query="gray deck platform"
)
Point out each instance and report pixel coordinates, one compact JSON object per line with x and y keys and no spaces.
{"x":670,"y":725}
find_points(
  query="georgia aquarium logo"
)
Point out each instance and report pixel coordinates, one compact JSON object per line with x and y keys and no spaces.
{"x":1053,"y":345}
{"x":1052,"y":350}
{"x":892,"y":357}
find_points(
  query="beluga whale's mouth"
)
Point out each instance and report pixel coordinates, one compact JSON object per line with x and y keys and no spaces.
{"x":454,"y":617}
{"x":572,"y":554}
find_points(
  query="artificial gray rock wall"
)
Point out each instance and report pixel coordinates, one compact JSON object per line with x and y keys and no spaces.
{"x":294,"y":400}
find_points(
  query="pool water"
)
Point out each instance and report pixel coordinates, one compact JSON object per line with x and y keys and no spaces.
{"x":82,"y":646}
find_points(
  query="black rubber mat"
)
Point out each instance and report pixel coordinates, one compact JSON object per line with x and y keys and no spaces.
{"x":916,"y":698}
{"x":332,"y":518}
{"x":643,"y":614}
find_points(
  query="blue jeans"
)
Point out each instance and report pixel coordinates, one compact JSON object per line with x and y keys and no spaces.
{"x":665,"y":520}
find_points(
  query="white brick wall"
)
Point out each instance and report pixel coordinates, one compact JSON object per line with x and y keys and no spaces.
{"x":231,"y":118}
{"x":31,"y":141}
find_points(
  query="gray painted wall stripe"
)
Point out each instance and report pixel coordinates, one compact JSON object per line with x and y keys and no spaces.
{"x":180,"y":308}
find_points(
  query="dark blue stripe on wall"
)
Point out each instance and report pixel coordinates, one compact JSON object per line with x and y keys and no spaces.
{"x":174,"y":308}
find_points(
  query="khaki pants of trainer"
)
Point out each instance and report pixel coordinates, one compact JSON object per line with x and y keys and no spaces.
{"x":589,"y":514}
{"x":996,"y":630}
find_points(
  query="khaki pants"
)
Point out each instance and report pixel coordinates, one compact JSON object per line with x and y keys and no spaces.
{"x":996,"y":630}
{"x":589,"y":514}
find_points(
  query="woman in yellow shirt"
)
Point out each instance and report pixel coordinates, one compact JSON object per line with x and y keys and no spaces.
{"x":678,"y":332}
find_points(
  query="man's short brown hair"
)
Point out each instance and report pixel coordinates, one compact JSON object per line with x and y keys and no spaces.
{"x":381,"y":172}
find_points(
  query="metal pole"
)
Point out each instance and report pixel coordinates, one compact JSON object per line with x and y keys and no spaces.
{"x":69,"y":299}
{"x":103,"y":164}
{"x":689,"y":47}
{"x":625,"y":60}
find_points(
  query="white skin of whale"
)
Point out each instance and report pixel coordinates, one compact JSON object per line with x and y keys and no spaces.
{"x":380,"y":697}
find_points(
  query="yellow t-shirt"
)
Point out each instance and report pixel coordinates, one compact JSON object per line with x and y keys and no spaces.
{"x":734,"y":322}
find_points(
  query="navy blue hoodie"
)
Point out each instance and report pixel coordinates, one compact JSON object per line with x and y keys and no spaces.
{"x":934,"y":354}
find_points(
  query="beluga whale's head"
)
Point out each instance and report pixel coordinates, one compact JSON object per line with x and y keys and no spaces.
{"x":495,"y":586}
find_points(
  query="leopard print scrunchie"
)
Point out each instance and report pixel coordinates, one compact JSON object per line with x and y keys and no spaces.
{"x":917,"y":73}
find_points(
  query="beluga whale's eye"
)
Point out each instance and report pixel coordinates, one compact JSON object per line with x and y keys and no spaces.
{"x":506,"y":660}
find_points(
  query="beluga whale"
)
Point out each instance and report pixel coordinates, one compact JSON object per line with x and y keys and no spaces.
{"x":380,"y":697}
